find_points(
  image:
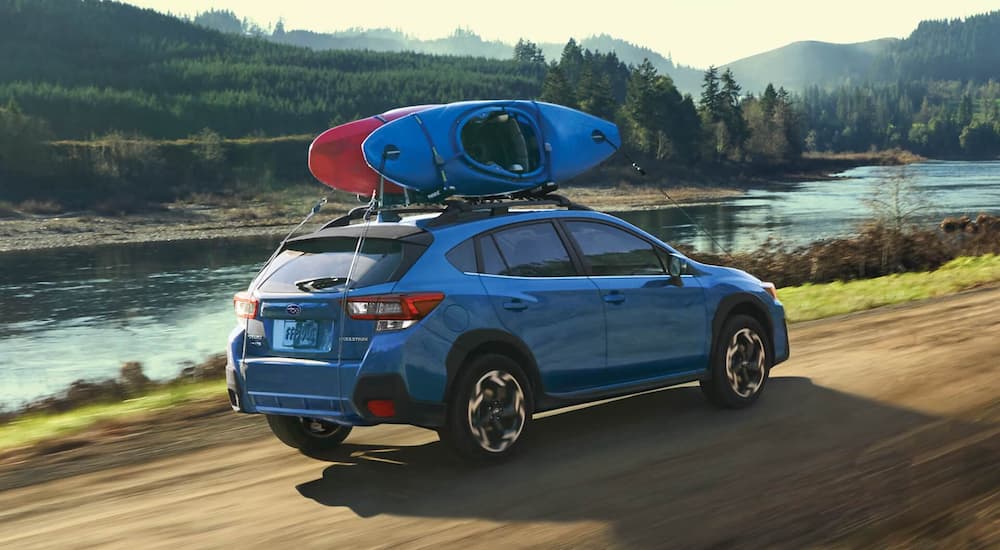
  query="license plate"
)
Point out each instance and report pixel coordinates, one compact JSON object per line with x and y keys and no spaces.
{"x":296,"y":335}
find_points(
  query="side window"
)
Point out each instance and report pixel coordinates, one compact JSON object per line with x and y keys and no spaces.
{"x":493,"y":264}
{"x":611,"y":251}
{"x":463,"y":257}
{"x":533,"y":250}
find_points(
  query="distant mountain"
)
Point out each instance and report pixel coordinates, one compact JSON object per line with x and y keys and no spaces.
{"x":802,"y":64}
{"x":956,"y":49}
{"x":460,"y":43}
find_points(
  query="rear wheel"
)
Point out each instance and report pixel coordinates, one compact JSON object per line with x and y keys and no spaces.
{"x":741,"y":362}
{"x":489,"y":410}
{"x":309,"y":435}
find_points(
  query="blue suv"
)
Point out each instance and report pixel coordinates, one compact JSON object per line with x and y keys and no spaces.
{"x":469,"y":320}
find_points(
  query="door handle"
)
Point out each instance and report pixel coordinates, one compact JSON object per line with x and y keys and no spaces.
{"x":614,"y":297}
{"x":515,"y":305}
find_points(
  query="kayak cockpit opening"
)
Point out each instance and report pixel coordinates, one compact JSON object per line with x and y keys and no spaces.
{"x":503,"y":139}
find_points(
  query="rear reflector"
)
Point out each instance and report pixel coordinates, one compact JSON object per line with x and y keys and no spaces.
{"x":393,"y":307}
{"x":245,"y":305}
{"x":382,"y":408}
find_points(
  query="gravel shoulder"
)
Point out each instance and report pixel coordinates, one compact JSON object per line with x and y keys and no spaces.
{"x":882,"y":430}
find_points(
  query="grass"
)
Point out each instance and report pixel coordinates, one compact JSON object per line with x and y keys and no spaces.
{"x":802,"y":303}
{"x":815,"y":301}
{"x":33,"y":428}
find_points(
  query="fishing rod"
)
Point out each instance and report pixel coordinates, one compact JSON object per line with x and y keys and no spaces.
{"x":598,"y":135}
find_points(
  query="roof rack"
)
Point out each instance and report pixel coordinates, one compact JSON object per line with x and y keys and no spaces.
{"x":387,"y":214}
{"x":456,"y":209}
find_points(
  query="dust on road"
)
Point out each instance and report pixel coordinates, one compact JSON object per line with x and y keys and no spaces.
{"x":883,"y":428}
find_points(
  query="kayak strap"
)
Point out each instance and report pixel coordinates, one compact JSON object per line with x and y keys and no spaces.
{"x":546,"y":146}
{"x":438,"y":160}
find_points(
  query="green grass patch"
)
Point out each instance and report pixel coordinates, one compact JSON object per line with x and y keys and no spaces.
{"x":37,"y":427}
{"x":809,"y":301}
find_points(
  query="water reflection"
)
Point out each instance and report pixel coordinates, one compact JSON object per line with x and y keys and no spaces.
{"x":810,"y":211}
{"x":79,"y":313}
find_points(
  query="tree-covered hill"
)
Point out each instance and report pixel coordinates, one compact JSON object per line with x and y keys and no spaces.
{"x":959,"y":49}
{"x":800,"y":65}
{"x":461,"y":42}
{"x":89,"y":67}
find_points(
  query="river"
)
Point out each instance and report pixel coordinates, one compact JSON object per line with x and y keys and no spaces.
{"x":79,"y":313}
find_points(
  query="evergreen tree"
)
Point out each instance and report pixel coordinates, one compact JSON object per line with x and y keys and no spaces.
{"x":571,"y":62}
{"x":595,"y":95}
{"x":556,"y":89}
{"x":526,"y":51}
{"x":709,"y":106}
{"x":964,"y":117}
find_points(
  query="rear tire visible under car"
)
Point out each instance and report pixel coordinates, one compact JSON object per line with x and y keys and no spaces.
{"x":308,"y":435}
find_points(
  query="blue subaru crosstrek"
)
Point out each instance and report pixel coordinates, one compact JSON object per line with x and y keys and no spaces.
{"x":469,"y":320}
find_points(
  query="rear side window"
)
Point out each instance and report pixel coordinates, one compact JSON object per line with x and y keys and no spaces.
{"x":463,"y":257}
{"x":492,"y":261}
{"x":611,"y":251}
{"x":324,"y":264}
{"x":532,"y":250}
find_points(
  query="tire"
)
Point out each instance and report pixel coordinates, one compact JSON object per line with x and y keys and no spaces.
{"x":489,"y":410}
{"x":308,"y":435}
{"x":740,"y":365}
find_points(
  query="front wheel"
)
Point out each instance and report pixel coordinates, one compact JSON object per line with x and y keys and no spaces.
{"x":489,"y":410}
{"x":741,"y":362}
{"x":309,"y":435}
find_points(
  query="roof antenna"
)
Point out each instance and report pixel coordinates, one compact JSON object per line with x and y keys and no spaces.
{"x":315,"y":210}
{"x":598,"y":137}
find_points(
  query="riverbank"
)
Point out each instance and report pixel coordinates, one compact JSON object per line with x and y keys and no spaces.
{"x":614,"y":187}
{"x":271,"y":215}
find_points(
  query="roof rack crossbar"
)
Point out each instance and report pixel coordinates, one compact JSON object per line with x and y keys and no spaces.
{"x":458,"y":209}
{"x":454,"y":210}
{"x":358,"y":213}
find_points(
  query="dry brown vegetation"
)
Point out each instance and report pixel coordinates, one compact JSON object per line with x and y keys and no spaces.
{"x":877,"y":250}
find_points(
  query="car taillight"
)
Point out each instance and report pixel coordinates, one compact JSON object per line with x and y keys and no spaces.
{"x":770,"y":289}
{"x":245,"y":305}
{"x":393,"y":311}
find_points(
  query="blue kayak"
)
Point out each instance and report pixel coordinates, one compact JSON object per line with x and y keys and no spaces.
{"x":482,"y":148}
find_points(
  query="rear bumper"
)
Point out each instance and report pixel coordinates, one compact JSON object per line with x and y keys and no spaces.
{"x":336,"y":392}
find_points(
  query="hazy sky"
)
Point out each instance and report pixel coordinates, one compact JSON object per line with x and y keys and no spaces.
{"x":695,"y":32}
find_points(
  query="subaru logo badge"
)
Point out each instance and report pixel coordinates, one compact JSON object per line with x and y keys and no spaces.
{"x":293,"y":309}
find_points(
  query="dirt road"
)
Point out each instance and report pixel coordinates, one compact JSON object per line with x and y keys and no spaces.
{"x":883,"y":428}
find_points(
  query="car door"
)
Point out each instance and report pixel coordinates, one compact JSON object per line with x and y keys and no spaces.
{"x":541,"y":297}
{"x":656,"y":325}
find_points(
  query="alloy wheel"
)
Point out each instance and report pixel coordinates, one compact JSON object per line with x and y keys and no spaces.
{"x":496,"y":411}
{"x":746,"y":363}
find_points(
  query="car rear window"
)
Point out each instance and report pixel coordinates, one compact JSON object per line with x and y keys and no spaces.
{"x":323,"y":264}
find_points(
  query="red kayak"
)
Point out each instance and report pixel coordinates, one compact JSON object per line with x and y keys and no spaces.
{"x":336,"y":158}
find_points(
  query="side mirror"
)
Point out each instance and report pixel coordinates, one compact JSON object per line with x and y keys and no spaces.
{"x":676,"y":266}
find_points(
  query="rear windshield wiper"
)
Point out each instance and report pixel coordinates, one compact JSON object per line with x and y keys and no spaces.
{"x":320,"y":283}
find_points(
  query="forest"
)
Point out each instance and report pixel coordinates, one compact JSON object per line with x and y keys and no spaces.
{"x":101,"y":100}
